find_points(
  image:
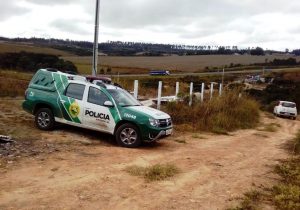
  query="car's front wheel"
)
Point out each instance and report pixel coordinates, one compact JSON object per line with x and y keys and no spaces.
{"x":44,"y":119}
{"x":128,"y":135}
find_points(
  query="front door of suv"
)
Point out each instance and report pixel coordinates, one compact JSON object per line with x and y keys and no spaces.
{"x":96,"y":115}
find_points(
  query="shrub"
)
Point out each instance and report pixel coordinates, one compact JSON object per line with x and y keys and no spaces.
{"x":297,"y":143}
{"x":226,"y":113}
{"x":156,"y":172}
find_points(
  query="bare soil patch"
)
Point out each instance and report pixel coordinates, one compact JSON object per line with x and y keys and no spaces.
{"x":76,"y":168}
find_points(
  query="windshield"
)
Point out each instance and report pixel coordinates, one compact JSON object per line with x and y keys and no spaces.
{"x":123,"y":98}
{"x":289,"y":105}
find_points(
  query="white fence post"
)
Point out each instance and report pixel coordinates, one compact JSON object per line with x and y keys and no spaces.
{"x":211,"y":90}
{"x":159,"y":95}
{"x":191,"y":93}
{"x":136,"y":89}
{"x":202,"y":92}
{"x":177,"y":90}
{"x":220,"y":89}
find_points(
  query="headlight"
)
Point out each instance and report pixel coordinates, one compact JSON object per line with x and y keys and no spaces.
{"x":154,"y":122}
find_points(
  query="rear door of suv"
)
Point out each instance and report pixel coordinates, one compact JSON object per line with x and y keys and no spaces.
{"x":71,"y":102}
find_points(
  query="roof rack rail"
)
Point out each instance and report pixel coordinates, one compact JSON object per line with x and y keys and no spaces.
{"x":52,"y":69}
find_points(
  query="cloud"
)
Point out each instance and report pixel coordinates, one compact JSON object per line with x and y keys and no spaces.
{"x":72,"y":26}
{"x":270,"y":23}
{"x":9,"y":9}
{"x":52,"y":2}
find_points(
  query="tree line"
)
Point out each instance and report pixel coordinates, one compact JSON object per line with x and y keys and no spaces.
{"x":31,"y":62}
{"x":119,"y":48}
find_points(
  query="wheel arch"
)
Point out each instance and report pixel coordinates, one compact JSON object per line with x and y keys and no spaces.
{"x":122,"y":122}
{"x":40,"y":106}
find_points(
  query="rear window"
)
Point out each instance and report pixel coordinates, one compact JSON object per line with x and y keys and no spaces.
{"x":289,"y":105}
{"x":75,"y":91}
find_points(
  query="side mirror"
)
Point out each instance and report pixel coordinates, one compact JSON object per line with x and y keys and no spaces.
{"x":108,"y":104}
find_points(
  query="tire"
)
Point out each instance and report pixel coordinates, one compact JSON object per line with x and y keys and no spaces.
{"x":44,"y":119}
{"x":128,"y":135}
{"x":293,"y":118}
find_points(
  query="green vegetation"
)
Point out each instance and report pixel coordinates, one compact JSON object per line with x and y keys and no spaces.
{"x":286,"y":87}
{"x":31,"y":62}
{"x":217,"y":115}
{"x":297,"y":143}
{"x":156,"y":172}
{"x":285,"y":195}
{"x":250,"y":201}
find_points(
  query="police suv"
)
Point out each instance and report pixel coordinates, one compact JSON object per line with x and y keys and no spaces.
{"x":53,"y":96}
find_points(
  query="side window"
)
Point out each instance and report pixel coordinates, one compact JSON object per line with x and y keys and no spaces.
{"x":75,"y":91}
{"x":96,"y":96}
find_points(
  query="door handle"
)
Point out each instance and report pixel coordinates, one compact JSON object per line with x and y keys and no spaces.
{"x":63,"y":101}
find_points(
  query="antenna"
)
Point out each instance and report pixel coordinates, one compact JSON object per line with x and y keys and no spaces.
{"x":95,"y":48}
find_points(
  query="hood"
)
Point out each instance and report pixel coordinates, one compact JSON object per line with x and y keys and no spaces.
{"x":154,"y":113}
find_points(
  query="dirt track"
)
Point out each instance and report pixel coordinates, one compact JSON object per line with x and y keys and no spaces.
{"x":87,"y":171}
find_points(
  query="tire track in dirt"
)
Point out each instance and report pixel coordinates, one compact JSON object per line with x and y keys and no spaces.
{"x":214,"y":171}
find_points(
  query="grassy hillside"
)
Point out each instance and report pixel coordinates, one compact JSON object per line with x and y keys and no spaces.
{"x":137,"y":65}
{"x":17,"y":47}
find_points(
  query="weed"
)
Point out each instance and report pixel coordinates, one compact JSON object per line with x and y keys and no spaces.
{"x":217,"y":115}
{"x":297,"y":143}
{"x":135,"y":170}
{"x":272,"y":127}
{"x":286,"y":197}
{"x":250,"y":201}
{"x":160,"y":172}
{"x":219,"y":131}
{"x":156,"y":172}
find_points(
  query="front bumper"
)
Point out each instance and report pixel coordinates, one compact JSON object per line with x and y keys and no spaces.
{"x":27,"y":107}
{"x":287,"y":114}
{"x":155,"y":134}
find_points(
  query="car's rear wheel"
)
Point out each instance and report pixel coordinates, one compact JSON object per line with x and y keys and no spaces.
{"x":128,"y":135}
{"x":44,"y":119}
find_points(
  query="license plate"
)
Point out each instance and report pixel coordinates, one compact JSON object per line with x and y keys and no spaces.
{"x":169,"y":132}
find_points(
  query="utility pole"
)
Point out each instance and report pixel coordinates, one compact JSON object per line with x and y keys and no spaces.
{"x":95,"y":48}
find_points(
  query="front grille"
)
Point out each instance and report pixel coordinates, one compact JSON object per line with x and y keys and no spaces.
{"x":165,"y":123}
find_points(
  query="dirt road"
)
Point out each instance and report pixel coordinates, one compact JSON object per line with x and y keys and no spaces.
{"x":86,"y":170}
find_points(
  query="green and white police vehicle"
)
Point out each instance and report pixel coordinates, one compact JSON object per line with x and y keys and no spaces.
{"x":53,"y":96}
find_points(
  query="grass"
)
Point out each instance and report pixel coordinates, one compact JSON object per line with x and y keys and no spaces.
{"x":156,"y":172}
{"x":217,"y":115}
{"x":250,"y":201}
{"x":297,"y":143}
{"x":9,"y":47}
{"x":285,"y":194}
{"x":272,"y":127}
{"x":12,"y":87}
{"x":135,"y":64}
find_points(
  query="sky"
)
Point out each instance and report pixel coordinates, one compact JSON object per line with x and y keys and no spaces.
{"x":271,"y":24}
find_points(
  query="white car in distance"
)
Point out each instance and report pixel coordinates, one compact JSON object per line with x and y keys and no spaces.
{"x":286,"y":109}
